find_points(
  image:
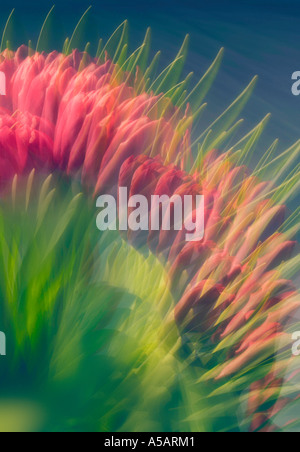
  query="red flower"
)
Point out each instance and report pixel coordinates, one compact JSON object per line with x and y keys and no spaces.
{"x":70,"y":111}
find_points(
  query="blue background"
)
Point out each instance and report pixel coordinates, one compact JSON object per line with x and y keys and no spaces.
{"x":260,"y":37}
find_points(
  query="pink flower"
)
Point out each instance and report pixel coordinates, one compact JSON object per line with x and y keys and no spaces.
{"x":70,"y":112}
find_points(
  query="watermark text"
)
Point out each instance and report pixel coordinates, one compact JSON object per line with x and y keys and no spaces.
{"x":164,"y":213}
{"x":2,"y":84}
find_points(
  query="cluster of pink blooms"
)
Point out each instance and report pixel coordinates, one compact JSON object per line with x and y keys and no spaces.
{"x":61,"y":113}
{"x":58,"y":114}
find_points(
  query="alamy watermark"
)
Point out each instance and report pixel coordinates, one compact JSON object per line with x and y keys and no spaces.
{"x":296,"y":343}
{"x":296,"y":84}
{"x":163,"y":213}
{"x":2,"y":344}
{"x":2,"y":84}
